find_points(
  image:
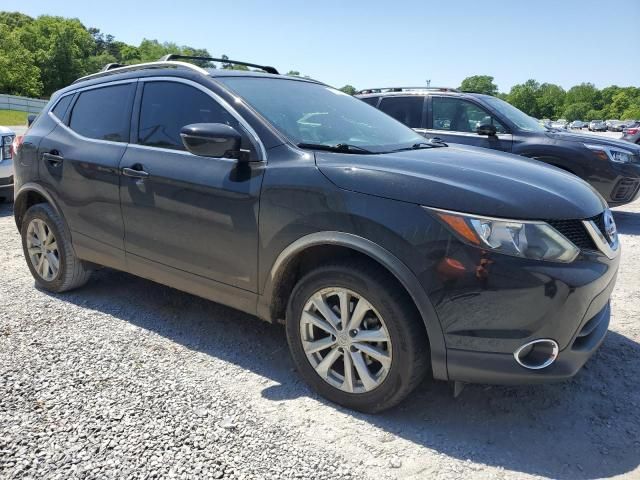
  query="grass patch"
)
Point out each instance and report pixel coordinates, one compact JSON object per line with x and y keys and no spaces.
{"x":12,"y":117}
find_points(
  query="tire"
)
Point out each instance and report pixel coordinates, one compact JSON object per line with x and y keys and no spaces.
{"x":71,"y":272}
{"x":407,"y":346}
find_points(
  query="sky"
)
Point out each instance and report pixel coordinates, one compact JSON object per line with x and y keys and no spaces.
{"x":379,"y":43}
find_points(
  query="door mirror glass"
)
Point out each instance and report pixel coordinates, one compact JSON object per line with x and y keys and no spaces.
{"x":487,"y":129}
{"x":30,"y":119}
{"x":213,"y":140}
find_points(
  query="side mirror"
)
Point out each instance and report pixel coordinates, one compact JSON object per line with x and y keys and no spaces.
{"x":487,"y":129}
{"x":30,"y":119}
{"x":213,"y":140}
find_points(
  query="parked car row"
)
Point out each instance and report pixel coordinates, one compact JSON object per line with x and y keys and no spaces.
{"x":388,"y":243}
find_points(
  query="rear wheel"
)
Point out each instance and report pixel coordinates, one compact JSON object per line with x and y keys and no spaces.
{"x":48,"y":251}
{"x":356,"y":337}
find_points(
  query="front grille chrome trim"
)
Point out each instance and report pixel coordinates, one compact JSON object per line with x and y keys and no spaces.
{"x":611,"y":251}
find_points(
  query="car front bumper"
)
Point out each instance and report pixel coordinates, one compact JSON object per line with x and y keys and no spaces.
{"x":502,"y":368}
{"x":490,"y":305}
{"x":6,"y":179}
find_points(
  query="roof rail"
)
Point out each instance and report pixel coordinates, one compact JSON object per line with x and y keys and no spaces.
{"x":111,"y":66}
{"x":175,"y":56}
{"x":406,"y":89}
{"x":111,"y":69}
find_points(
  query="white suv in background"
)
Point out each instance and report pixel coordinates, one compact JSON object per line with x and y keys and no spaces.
{"x":6,"y":164}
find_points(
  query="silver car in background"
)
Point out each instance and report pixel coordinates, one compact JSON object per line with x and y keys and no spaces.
{"x":597,"y":126}
{"x":6,"y":164}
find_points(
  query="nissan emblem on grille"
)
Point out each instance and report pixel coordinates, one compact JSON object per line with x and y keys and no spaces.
{"x":610,"y":231}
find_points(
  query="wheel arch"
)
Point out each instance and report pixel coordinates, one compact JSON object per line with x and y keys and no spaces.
{"x":284,"y":272}
{"x":557,"y":162}
{"x":31,"y":194}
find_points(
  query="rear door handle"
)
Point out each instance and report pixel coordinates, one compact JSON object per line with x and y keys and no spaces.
{"x":53,"y":158}
{"x":132,"y":172}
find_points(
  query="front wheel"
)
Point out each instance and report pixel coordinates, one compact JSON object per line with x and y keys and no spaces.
{"x":356,"y":337}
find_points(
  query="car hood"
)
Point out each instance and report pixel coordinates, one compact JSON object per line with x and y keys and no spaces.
{"x":466,"y":179}
{"x":593,"y":139}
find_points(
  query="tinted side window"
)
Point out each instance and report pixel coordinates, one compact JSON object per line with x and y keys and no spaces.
{"x":408,"y":110}
{"x":169,"y":106}
{"x":459,"y":115}
{"x":104,"y":113}
{"x":371,"y":100}
{"x":61,"y":107}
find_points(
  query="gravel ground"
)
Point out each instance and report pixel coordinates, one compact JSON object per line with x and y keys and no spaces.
{"x":129,"y":379}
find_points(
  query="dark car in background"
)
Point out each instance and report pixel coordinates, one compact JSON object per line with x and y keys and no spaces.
{"x":577,"y":125}
{"x":611,"y":166}
{"x":386,"y":256}
{"x":615,"y":126}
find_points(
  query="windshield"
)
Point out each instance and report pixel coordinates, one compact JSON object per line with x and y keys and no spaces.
{"x":314,"y":114}
{"x":521,"y":119}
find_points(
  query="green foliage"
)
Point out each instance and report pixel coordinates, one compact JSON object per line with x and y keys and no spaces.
{"x":39,"y":56}
{"x":576,"y":111}
{"x":550,"y":100}
{"x":349,"y":89}
{"x":479,"y":84}
{"x":19,"y":74}
{"x":293,"y":73}
{"x":581,"y":102}
{"x":525,"y":97}
{"x":584,"y":93}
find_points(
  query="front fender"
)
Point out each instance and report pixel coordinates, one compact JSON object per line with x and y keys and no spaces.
{"x":394,"y":265}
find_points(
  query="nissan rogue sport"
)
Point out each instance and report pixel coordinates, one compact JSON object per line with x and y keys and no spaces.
{"x":387,"y":257}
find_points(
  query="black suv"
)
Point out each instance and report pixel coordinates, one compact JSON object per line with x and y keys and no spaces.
{"x":386,"y":256}
{"x":611,"y":166}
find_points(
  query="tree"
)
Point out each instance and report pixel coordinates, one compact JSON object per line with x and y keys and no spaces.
{"x":576,"y":111}
{"x":19,"y":74}
{"x":584,"y":93}
{"x":632,"y":112}
{"x":550,"y":100}
{"x":479,"y":84}
{"x":525,"y":97}
{"x":232,"y":66}
{"x":348,"y":89}
{"x":60,"y":48}
{"x":594,"y":115}
{"x":293,"y":73}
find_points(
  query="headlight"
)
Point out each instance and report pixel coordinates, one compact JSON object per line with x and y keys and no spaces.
{"x":605,"y":152}
{"x":5,"y":147}
{"x":534,"y":240}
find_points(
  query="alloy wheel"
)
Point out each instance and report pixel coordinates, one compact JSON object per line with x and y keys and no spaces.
{"x":346,"y":340}
{"x":42,"y":248}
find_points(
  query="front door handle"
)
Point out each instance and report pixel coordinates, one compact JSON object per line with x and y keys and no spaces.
{"x":53,"y":158}
{"x":132,"y":172}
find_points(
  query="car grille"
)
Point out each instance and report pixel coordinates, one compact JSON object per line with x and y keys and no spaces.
{"x":6,"y":181}
{"x":574,"y":230}
{"x":625,"y":189}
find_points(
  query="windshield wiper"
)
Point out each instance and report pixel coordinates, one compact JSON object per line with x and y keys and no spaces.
{"x":340,"y":147}
{"x":431,"y":143}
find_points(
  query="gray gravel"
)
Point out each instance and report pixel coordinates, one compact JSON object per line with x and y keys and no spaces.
{"x":127,"y":378}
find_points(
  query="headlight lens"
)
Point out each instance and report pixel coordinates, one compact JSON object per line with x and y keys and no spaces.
{"x":533,"y":240}
{"x":614,"y":154}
